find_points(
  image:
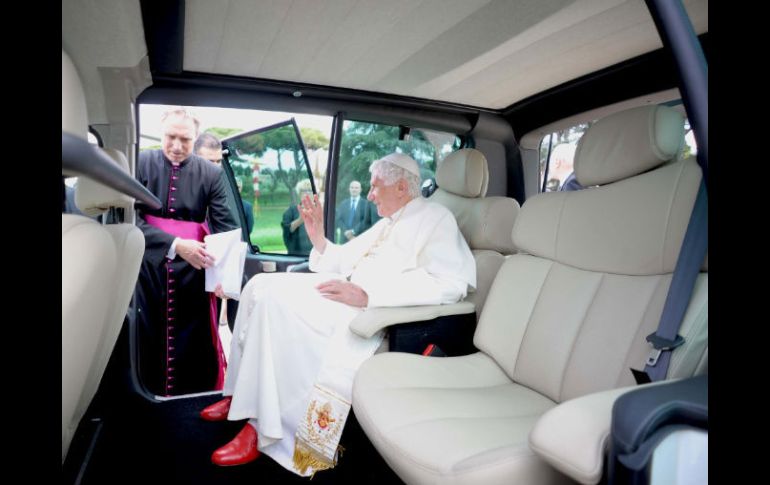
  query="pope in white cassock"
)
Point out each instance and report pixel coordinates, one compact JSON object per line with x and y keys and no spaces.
{"x":293,"y":357}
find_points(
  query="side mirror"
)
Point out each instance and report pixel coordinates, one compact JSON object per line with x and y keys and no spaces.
{"x":552,"y":185}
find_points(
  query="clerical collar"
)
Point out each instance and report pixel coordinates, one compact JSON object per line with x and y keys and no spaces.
{"x":181,"y":164}
{"x":384,"y":233}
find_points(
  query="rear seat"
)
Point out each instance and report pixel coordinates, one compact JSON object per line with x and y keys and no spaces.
{"x":565,"y":319}
{"x":100,"y":264}
{"x":93,"y":199}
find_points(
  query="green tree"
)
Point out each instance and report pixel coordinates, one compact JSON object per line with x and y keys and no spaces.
{"x":314,"y":138}
{"x":363,"y":143}
{"x":283,"y":140}
{"x":686,"y":150}
{"x":243,"y":152}
{"x":572,"y":133}
{"x":267,"y":181}
{"x":222,"y":133}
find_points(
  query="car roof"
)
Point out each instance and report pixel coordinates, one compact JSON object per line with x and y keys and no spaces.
{"x":477,"y":53}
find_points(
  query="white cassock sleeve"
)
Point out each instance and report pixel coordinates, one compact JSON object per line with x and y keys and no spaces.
{"x":415,"y":287}
{"x":328,"y":262}
{"x":445,"y":269}
{"x":341,"y":259}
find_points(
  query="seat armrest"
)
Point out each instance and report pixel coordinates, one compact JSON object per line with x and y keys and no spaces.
{"x":371,"y":320}
{"x":572,"y":437}
{"x":298,"y":268}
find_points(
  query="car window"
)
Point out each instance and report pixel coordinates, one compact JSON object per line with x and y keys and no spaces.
{"x":557,"y":154}
{"x":364,"y":142}
{"x":273,"y":172}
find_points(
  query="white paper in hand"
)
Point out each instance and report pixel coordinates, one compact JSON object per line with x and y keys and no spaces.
{"x":229,"y":254}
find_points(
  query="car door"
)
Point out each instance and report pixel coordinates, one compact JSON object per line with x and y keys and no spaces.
{"x":268,"y":170}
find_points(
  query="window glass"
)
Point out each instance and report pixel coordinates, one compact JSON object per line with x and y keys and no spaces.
{"x":364,"y":142}
{"x":557,"y":154}
{"x":690,"y":147}
{"x":272,"y":169}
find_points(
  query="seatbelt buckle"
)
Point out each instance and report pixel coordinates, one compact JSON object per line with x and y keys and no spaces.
{"x":659,"y":344}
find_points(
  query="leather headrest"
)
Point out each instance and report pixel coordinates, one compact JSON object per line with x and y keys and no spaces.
{"x":464,"y":173}
{"x":94,"y":198}
{"x":628,"y":143}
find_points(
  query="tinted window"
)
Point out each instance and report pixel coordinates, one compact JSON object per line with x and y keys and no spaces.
{"x":363,"y":143}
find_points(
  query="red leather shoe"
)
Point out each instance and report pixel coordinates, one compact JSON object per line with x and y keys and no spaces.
{"x":241,"y":450}
{"x":217,"y":411}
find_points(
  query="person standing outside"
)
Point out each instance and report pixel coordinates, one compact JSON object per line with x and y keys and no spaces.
{"x":561,"y":173}
{"x":295,"y":236}
{"x":180,"y":350}
{"x":354,"y":214}
{"x":209,"y":147}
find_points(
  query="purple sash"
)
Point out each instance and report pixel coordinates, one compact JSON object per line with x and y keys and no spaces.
{"x":183,"y":229}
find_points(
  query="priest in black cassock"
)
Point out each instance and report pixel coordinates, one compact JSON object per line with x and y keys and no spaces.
{"x":179,"y":351}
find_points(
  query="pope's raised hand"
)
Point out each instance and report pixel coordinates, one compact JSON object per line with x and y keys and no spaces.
{"x":312,"y":215}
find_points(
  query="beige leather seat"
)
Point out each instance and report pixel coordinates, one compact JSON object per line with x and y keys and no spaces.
{"x":565,"y":319}
{"x":100,"y":264}
{"x":93,"y":198}
{"x":485,"y":222}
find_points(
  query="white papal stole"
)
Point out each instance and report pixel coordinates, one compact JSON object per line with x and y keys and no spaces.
{"x":320,"y":428}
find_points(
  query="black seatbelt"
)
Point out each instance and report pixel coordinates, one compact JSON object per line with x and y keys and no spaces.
{"x":691,"y":256}
{"x":678,"y":36}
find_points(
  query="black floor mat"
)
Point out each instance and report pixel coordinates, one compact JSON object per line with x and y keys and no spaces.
{"x":167,"y":442}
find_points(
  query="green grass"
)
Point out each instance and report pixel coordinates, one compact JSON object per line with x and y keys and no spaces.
{"x":267,"y":232}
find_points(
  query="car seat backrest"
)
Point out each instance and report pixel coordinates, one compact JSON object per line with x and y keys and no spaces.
{"x":485,"y":222}
{"x":100,"y":264}
{"x":569,"y":313}
{"x":94,"y":198}
{"x":88,"y":264}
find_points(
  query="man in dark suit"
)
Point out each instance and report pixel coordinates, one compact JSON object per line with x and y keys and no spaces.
{"x":209,"y":147}
{"x":354,"y":214}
